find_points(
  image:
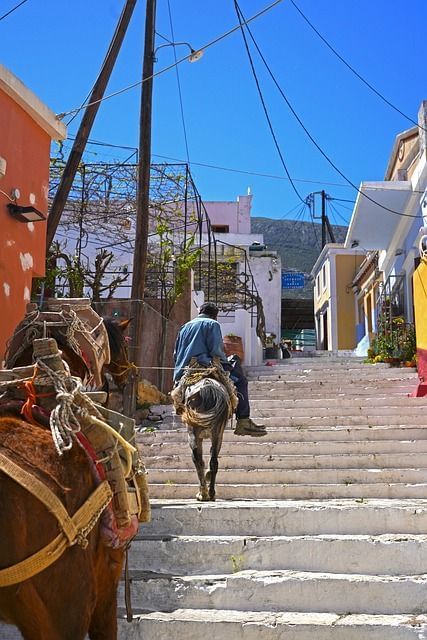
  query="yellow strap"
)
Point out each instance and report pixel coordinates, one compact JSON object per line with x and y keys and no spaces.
{"x":128,"y":449}
{"x":81,"y":523}
{"x":38,"y":489}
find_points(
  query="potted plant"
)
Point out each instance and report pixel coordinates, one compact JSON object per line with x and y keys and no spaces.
{"x":271,"y":346}
{"x":233,"y":345}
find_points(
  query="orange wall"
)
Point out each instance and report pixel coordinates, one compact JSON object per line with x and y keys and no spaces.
{"x":26,"y":149}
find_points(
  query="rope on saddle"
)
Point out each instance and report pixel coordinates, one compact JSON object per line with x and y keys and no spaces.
{"x":74,"y":408}
{"x":205,"y":396}
{"x":74,"y":529}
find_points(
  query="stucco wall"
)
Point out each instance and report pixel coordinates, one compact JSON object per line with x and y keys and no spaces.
{"x":322,"y":288}
{"x":26,"y":149}
{"x":236,"y":215}
{"x":267,"y":274}
{"x":420,"y":306}
{"x":346,"y":267}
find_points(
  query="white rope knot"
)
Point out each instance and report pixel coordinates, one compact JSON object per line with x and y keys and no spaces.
{"x":64,"y":418}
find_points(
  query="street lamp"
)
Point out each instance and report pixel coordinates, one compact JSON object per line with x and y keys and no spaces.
{"x":195,"y":54}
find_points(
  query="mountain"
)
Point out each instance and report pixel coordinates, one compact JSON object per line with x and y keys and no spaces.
{"x":297,"y":243}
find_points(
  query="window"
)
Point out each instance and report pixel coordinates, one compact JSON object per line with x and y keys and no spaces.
{"x":318,"y":285}
{"x":220,"y":228}
{"x":324,"y":276}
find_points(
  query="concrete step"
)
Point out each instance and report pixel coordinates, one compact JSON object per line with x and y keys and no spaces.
{"x":184,"y":555}
{"x":295,"y":476}
{"x":324,"y":402}
{"x":310,"y":433}
{"x":373,"y":411}
{"x":257,"y":447}
{"x":190,"y":624}
{"x":294,"y":392}
{"x":299,"y":461}
{"x":317,"y":364}
{"x":340,"y":377}
{"x":346,"y":421}
{"x":304,"y":491}
{"x":287,"y":517}
{"x":307,"y":591}
{"x":358,"y":378}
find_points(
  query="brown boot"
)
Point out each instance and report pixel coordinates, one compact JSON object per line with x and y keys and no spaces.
{"x":247,"y":427}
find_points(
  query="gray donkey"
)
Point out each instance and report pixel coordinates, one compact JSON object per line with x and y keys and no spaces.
{"x":205,"y":399}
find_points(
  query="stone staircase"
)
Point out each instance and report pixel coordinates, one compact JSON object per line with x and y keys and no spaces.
{"x":320,"y":528}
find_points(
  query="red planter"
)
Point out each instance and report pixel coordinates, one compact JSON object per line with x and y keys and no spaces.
{"x":233,"y":345}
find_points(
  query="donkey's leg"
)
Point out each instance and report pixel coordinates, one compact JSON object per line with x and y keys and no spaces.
{"x":196,"y":445}
{"x":108,"y":568}
{"x":213,"y":466}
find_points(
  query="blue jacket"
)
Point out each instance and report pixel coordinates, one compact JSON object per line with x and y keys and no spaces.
{"x":200,"y":338}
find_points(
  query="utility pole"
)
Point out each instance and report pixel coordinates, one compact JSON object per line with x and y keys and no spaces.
{"x":86,"y":124}
{"x":326,"y":225}
{"x":323,"y":194}
{"x":142,"y":202}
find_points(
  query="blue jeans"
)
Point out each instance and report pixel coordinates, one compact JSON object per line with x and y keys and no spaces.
{"x":240,"y":382}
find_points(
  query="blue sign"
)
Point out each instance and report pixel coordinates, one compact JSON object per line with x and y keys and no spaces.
{"x":292,"y":280}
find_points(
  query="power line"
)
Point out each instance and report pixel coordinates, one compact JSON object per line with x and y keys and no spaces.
{"x":314,"y":226}
{"x":353,"y":70}
{"x":288,"y":213}
{"x":261,"y":97}
{"x":12,"y":10}
{"x":316,"y":144}
{"x":171,"y":66}
{"x":219,"y":167}
{"x":339,"y":214}
{"x":184,"y":128}
{"x":243,"y":171}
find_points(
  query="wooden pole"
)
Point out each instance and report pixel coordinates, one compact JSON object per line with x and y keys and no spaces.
{"x":86,"y":124}
{"x":142,"y":203}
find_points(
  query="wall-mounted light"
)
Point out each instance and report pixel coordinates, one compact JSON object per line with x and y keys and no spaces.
{"x":25,"y":214}
{"x":354,"y":244}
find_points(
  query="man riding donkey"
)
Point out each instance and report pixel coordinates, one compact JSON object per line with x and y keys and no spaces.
{"x":201,"y":339}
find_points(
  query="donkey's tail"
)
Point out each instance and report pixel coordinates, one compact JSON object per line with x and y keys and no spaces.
{"x":207,"y":404}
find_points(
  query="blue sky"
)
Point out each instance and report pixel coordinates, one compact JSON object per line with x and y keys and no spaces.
{"x":56,"y":48}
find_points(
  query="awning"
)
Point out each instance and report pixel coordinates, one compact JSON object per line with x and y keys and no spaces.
{"x":371,"y":225}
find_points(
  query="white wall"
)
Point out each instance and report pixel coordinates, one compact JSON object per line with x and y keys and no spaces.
{"x":239,"y":323}
{"x":267,"y":273}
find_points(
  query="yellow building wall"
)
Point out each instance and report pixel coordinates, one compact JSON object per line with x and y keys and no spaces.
{"x":346,"y":267}
{"x":420,"y":306}
{"x":323,"y":295}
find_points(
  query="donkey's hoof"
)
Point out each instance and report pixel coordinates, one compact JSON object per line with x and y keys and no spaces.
{"x":212,"y":498}
{"x":202,"y":497}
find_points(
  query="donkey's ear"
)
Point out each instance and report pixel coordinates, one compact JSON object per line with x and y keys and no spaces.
{"x":123,"y":324}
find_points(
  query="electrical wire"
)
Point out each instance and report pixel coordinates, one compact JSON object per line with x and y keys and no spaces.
{"x":314,"y":226}
{"x":316,"y":144}
{"x":243,"y":171}
{"x":221,"y":168}
{"x":339,"y":214}
{"x":353,"y":70}
{"x":178,"y":81}
{"x":12,"y":10}
{"x":288,"y":213}
{"x":171,"y":66}
{"x":261,"y":97}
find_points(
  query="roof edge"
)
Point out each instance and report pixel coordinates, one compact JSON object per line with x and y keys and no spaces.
{"x":32,"y":105}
